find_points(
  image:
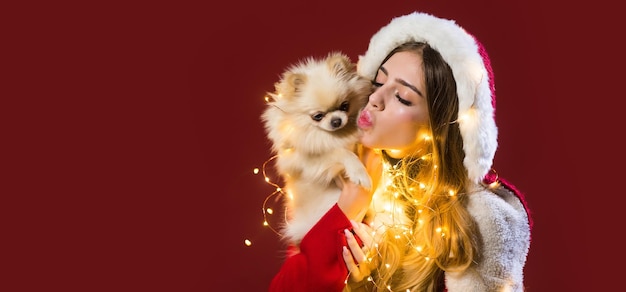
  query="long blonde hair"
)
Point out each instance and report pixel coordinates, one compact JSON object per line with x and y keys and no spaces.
{"x":432,"y":189}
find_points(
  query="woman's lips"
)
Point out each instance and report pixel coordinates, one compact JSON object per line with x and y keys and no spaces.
{"x":365,"y":120}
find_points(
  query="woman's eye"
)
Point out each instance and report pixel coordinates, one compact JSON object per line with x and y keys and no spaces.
{"x":402,"y":100}
{"x":376,"y":84}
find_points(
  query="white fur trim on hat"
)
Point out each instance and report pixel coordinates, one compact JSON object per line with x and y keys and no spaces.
{"x":461,"y":51}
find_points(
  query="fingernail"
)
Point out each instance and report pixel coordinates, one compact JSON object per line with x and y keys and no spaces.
{"x":347,"y":232}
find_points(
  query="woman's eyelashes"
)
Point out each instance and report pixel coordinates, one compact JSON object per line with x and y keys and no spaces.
{"x":402,"y":100}
{"x":377,"y":85}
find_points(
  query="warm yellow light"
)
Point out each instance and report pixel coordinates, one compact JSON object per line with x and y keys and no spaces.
{"x":248,"y":242}
{"x":267,"y":179}
{"x":265,"y":223}
{"x":422,"y":186}
{"x":394,"y":152}
{"x":451,"y":193}
{"x":269,"y":211}
{"x":255,"y":170}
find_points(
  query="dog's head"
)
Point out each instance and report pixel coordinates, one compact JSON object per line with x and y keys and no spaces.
{"x":317,"y":97}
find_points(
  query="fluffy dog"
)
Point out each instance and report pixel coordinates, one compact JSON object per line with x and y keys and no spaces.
{"x":311,"y":121}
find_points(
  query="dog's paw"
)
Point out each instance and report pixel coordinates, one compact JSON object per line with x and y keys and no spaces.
{"x":358,"y":174}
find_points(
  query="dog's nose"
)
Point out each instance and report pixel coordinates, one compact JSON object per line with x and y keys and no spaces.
{"x":336,"y":123}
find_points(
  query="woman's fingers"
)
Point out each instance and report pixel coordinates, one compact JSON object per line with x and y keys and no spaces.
{"x":355,"y":257}
{"x":355,"y":247}
{"x":365,"y":233}
{"x":353,"y":268}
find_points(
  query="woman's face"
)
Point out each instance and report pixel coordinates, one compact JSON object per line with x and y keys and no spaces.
{"x":396,"y":117}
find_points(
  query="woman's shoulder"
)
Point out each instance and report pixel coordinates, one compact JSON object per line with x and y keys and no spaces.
{"x":494,"y":201}
{"x":499,"y":211}
{"x":504,"y":240}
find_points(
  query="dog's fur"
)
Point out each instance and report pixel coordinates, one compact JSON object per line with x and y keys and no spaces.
{"x":311,"y":121}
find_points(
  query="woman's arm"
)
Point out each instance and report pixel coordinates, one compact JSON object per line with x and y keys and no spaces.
{"x":319,"y":265}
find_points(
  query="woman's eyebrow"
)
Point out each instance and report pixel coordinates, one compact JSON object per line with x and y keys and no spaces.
{"x":384,"y":70}
{"x":410,"y":86}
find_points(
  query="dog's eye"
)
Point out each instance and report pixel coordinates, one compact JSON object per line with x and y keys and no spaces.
{"x":345,"y":106}
{"x":318,"y":116}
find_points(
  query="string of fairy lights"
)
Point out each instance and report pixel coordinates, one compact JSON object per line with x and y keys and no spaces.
{"x":395,"y":199}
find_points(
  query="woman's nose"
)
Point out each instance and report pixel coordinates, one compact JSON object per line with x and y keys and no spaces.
{"x":376,"y":100}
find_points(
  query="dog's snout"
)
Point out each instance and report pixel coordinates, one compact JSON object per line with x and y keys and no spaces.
{"x":336,"y":123}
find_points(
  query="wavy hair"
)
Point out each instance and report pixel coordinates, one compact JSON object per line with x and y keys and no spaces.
{"x":432,"y":188}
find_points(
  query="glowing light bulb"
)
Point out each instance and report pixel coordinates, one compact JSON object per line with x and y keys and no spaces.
{"x":247,"y":242}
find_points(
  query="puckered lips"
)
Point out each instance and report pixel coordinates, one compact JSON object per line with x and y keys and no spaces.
{"x":365,"y":120}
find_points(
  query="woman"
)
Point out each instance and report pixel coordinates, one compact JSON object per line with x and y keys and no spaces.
{"x":439,"y":219}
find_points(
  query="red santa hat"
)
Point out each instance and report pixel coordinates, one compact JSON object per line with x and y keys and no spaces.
{"x":472,"y":72}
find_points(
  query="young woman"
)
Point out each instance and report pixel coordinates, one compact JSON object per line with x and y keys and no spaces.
{"x":439,"y":218}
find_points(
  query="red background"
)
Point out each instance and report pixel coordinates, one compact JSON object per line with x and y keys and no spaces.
{"x":131,"y":131}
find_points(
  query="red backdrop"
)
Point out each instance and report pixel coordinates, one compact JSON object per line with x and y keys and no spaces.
{"x":133,"y":129}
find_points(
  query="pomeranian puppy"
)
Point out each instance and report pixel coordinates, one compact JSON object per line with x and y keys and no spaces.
{"x":311,"y":121}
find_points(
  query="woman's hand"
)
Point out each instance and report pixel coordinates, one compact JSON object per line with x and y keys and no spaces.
{"x":355,"y":255}
{"x":354,"y":200}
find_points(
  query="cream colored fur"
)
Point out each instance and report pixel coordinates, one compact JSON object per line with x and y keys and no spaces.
{"x":311,"y":121}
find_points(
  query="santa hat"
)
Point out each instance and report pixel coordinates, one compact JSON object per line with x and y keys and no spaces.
{"x":472,"y":72}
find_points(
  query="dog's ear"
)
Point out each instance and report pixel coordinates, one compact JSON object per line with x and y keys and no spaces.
{"x":290,"y":84}
{"x":339,"y":63}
